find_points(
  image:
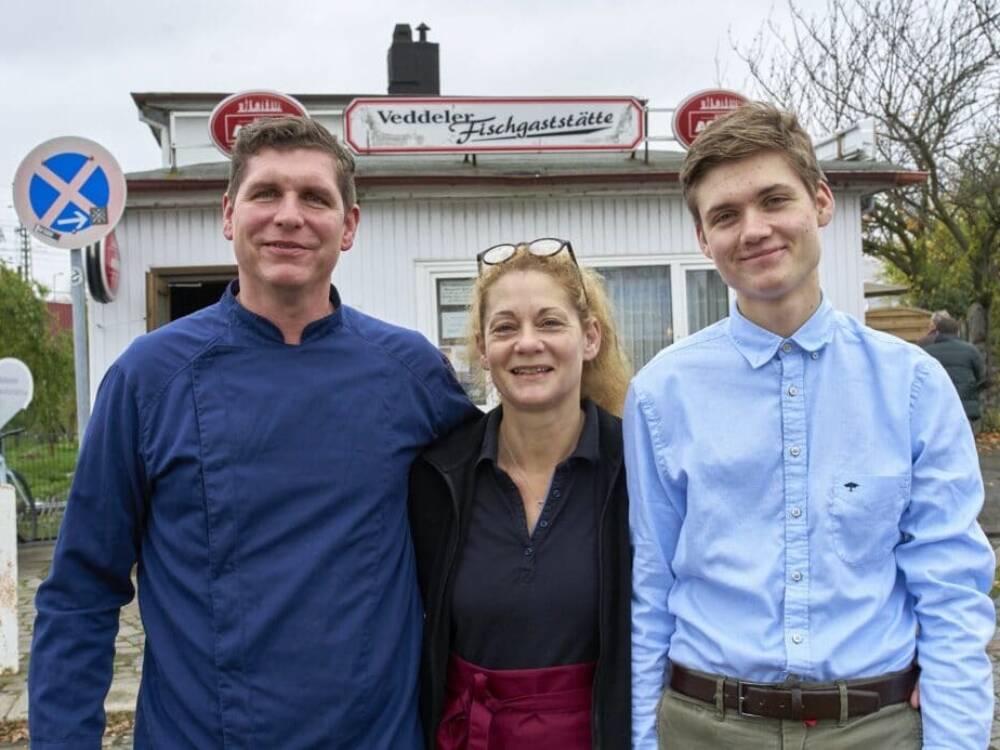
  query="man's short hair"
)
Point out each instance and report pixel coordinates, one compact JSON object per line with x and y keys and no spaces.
{"x":284,"y":134}
{"x":754,"y":128}
{"x":944,"y":323}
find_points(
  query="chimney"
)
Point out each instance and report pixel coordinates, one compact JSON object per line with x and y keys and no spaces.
{"x":413,"y":66}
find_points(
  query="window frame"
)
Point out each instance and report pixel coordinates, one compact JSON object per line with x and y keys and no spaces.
{"x":679,"y":265}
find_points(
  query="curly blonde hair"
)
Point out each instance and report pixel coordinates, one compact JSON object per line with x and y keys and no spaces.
{"x":605,"y":377}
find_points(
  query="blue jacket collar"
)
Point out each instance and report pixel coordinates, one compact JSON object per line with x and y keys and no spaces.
{"x":260,"y":327}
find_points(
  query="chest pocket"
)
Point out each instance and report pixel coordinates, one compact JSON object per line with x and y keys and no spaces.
{"x":864,"y":516}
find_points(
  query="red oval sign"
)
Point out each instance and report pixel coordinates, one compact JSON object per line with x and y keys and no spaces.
{"x":110,"y":265}
{"x":695,"y":112}
{"x":235,"y":111}
{"x":103,"y":269}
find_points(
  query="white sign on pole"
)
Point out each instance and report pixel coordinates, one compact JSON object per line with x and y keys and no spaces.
{"x":399,"y":125}
{"x":16,"y":388}
{"x":69,"y":192}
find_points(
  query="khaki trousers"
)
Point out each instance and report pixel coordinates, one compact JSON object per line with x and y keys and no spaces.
{"x":685,"y":723}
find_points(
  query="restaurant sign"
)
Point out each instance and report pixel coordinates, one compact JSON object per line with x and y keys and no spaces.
{"x":397,"y":125}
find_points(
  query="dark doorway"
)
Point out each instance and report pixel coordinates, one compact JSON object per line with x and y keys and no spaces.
{"x":187,"y":297}
{"x":174,"y":292}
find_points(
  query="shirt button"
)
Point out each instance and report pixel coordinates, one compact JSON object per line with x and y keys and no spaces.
{"x":797,"y":576}
{"x":786,"y":348}
{"x":543,"y":523}
{"x":797,"y":639}
{"x":556,"y":493}
{"x":794,"y":451}
{"x":814,"y":355}
{"x":529,"y":551}
{"x":796,"y":511}
{"x":793,"y":391}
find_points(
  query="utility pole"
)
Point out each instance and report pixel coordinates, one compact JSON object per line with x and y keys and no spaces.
{"x":25,"y":264}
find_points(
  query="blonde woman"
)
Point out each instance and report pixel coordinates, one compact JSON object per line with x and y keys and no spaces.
{"x":520,"y":522}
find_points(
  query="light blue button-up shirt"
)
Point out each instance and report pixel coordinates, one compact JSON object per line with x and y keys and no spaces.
{"x":807,"y":507}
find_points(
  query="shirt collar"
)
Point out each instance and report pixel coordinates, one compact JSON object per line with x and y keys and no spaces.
{"x":588,"y":447}
{"x":262,"y":327}
{"x":759,"y":345}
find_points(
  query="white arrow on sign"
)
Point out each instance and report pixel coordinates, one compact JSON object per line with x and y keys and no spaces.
{"x":80,"y":219}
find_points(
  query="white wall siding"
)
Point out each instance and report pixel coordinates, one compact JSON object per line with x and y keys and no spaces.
{"x":191,"y":142}
{"x":379,"y":275}
{"x":841,"y":271}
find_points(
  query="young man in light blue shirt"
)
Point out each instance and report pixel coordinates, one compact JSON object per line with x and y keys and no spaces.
{"x":808,"y":567}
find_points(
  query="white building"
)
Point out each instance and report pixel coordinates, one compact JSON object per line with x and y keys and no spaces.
{"x":424,"y":218}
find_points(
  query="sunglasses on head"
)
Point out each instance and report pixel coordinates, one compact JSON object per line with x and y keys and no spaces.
{"x":544,"y":247}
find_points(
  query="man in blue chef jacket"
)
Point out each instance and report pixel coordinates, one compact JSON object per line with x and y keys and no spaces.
{"x":252,"y":460}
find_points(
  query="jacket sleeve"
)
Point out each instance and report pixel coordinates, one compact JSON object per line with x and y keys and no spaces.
{"x":654,"y":525}
{"x":77,"y":606}
{"x":439,"y":391}
{"x":948,"y":566}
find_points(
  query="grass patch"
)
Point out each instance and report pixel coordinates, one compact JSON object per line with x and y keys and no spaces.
{"x":46,"y":465}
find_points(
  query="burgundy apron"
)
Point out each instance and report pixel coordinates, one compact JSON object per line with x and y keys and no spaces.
{"x":522,"y":709}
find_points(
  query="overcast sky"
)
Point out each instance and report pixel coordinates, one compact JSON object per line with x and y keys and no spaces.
{"x":67,"y":67}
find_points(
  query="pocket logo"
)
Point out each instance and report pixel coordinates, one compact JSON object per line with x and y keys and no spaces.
{"x":851,"y":486}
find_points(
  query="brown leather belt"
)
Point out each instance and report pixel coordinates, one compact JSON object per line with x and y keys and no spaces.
{"x":864,"y":696}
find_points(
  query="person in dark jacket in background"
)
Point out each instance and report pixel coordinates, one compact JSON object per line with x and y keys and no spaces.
{"x":520,"y":522}
{"x":962,"y":361}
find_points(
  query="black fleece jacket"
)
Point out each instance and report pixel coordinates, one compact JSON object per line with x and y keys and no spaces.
{"x":441,"y":488}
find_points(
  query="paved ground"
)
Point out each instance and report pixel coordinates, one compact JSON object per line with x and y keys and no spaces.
{"x":33,"y":566}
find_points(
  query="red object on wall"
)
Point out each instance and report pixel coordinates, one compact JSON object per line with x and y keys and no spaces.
{"x":241,"y":109}
{"x":695,"y":112}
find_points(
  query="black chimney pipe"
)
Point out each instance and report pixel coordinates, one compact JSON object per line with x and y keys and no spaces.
{"x":413,"y":66}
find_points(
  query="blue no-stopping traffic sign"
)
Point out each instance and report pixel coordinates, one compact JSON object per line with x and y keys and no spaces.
{"x":69,"y":192}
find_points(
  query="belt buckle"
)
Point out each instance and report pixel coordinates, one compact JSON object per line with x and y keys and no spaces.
{"x":740,"y":698}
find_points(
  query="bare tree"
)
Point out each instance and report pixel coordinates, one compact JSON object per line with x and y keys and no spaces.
{"x":928,"y":73}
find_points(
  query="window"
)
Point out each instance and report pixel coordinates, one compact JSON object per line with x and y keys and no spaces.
{"x":643,"y":309}
{"x":657,"y":304}
{"x":707,"y":298}
{"x":453,"y":297}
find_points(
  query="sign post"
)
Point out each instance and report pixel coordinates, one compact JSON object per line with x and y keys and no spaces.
{"x":70,"y":192}
{"x":16,"y":390}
